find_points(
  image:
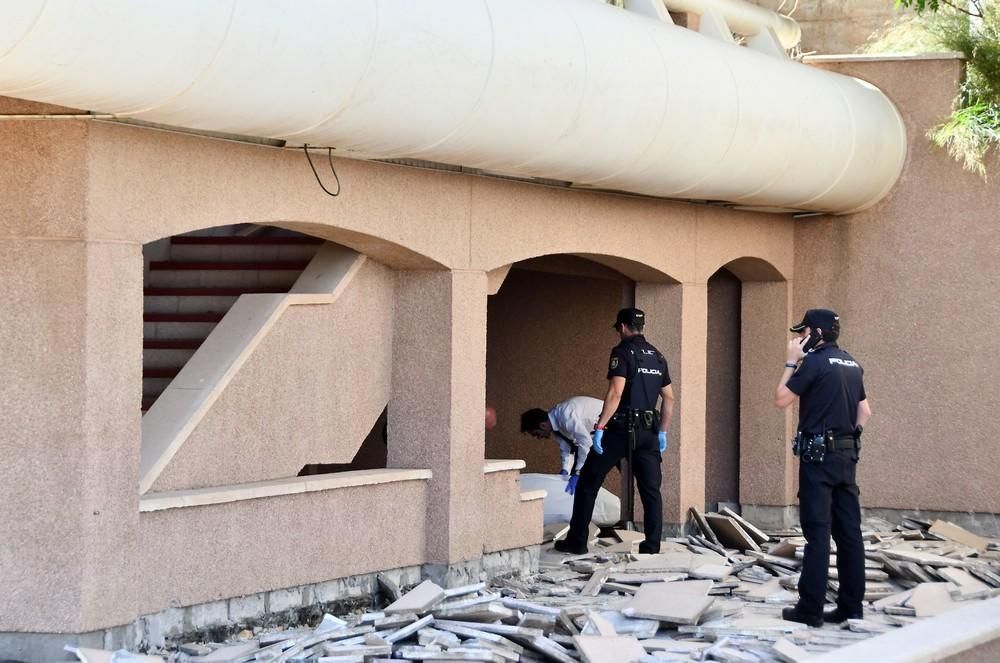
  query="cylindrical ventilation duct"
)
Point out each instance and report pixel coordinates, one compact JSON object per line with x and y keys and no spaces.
{"x":573,"y":90}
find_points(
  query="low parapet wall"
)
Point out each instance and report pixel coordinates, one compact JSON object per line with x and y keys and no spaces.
{"x":970,"y":634}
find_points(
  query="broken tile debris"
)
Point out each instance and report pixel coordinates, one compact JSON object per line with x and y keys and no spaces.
{"x":716,"y":595}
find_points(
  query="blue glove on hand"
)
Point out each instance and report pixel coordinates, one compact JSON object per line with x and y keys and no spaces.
{"x":563,"y":473}
{"x":662,"y":437}
{"x":598,"y":435}
{"x":571,"y":486}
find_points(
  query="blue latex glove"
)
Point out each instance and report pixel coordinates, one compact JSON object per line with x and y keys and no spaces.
{"x":563,"y":473}
{"x":662,"y":437}
{"x":598,"y":435}
{"x":571,"y":485}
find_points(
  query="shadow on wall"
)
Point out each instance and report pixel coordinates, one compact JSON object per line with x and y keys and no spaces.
{"x":371,"y":456}
{"x":548,"y":338}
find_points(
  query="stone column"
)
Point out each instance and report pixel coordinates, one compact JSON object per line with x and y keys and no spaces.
{"x":766,"y":465}
{"x":70,"y":393}
{"x":677,"y":318}
{"x":438,"y":397}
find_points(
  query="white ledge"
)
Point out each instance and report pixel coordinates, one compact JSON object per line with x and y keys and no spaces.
{"x":248,"y":491}
{"x":532,"y":495}
{"x":883,"y":57}
{"x":945,"y":637}
{"x":501,"y":465}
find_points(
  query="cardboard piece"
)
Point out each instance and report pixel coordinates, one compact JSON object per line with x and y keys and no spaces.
{"x":628,"y":536}
{"x":932,"y":598}
{"x":421,"y":599}
{"x":673,"y":602}
{"x":712,"y":571}
{"x":958,"y":534}
{"x":789,"y":652}
{"x":749,"y":527}
{"x":966,"y":586}
{"x":601,"y":625}
{"x":602,"y":649}
{"x":703,"y":525}
{"x":593,"y":586}
{"x":730,"y":533}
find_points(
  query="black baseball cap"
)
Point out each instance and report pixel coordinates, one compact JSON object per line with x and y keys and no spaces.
{"x":821,"y":318}
{"x":632,"y":317}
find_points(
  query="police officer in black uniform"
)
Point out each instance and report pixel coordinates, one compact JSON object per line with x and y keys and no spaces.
{"x":833,"y":409}
{"x":638,"y":377}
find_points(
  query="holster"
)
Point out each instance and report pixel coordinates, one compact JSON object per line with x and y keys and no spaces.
{"x":810,"y":448}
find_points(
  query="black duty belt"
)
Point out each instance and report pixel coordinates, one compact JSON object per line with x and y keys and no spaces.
{"x":646,"y":419}
{"x":843,"y":442}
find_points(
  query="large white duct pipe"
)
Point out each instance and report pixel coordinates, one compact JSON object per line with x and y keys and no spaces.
{"x":573,"y":90}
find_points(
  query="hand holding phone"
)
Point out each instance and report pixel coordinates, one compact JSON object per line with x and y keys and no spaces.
{"x":815,"y":336}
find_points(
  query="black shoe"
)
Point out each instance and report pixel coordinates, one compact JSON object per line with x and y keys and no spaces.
{"x":648,"y":550}
{"x":795,"y":615}
{"x":838,"y":616}
{"x":564,"y":546}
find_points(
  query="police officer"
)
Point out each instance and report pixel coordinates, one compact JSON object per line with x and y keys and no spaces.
{"x":629,"y":422}
{"x":833,"y":410}
{"x":571,"y":423}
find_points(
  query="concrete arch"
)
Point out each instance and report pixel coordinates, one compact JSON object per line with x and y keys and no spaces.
{"x":756,"y":341}
{"x":748,"y":267}
{"x":382,"y":250}
{"x":627,"y":267}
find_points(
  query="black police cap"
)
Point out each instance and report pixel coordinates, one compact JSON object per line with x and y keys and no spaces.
{"x":632,"y":317}
{"x":821,"y":318}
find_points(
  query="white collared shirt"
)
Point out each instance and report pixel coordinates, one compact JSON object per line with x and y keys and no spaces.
{"x":575,"y":418}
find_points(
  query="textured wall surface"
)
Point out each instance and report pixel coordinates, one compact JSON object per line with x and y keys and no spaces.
{"x":915,"y":281}
{"x":206,"y":553}
{"x":508,"y":522}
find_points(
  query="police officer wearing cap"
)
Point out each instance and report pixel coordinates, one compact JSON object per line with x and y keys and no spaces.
{"x":833,"y":409}
{"x":629,"y":424}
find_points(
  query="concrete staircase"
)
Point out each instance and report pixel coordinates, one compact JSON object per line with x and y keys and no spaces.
{"x":198,"y":279}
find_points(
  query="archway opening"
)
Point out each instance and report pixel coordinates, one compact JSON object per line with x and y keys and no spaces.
{"x":722,"y":411}
{"x":549,"y":333}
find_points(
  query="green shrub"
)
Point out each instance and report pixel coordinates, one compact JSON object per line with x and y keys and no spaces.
{"x":972,"y":131}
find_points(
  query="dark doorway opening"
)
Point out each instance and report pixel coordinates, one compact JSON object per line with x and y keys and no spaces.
{"x":722,"y":424}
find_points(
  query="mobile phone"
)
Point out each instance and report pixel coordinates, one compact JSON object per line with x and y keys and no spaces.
{"x":815,"y":337}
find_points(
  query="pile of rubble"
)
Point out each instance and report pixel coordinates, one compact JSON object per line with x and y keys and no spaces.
{"x":713,"y":596}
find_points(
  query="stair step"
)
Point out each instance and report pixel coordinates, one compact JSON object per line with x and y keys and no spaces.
{"x":182,"y":317}
{"x":211,"y":292}
{"x":161,"y":372}
{"x":240,"y":240}
{"x":289,"y":265}
{"x":172,"y":343}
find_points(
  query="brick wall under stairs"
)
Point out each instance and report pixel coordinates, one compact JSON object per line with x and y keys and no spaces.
{"x":188,"y":293}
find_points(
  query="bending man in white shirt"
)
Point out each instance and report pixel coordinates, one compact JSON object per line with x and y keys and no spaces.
{"x":571,"y":423}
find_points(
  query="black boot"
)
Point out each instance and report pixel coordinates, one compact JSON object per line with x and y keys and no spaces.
{"x":795,"y":615}
{"x":564,"y":546}
{"x":839,"y":615}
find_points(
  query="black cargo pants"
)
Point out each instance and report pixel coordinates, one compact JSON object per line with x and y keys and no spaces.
{"x":828,"y":504}
{"x":646,"y":469}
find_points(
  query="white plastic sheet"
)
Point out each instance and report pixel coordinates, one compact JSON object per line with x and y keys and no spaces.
{"x":559,"y":505}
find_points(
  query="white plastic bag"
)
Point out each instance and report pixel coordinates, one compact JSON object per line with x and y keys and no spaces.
{"x":559,"y":504}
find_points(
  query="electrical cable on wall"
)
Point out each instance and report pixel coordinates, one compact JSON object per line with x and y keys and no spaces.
{"x":329,"y":156}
